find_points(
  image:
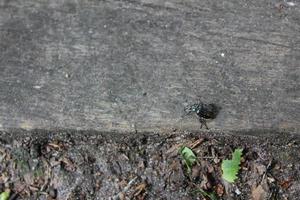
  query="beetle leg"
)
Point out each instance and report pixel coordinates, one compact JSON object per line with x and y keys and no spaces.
{"x":203,"y":122}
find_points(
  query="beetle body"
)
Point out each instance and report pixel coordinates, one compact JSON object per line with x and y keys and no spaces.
{"x":203,"y":111}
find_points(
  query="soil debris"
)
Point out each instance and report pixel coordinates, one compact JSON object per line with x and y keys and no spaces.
{"x":69,"y":165}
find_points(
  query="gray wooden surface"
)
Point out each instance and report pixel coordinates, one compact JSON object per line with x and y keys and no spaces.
{"x":125,"y":65}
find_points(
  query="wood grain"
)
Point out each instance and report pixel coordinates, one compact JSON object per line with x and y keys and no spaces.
{"x":126,"y":65}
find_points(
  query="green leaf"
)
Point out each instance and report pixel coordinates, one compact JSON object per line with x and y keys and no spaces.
{"x":4,"y":195}
{"x":231,"y":168}
{"x":188,"y":156}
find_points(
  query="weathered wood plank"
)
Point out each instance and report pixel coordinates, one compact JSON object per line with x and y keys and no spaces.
{"x":134,"y":65}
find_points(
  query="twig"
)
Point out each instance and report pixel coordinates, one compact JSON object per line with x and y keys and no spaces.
{"x":130,"y":183}
{"x":267,"y":168}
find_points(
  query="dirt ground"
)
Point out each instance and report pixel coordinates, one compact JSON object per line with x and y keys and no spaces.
{"x":92,"y":165}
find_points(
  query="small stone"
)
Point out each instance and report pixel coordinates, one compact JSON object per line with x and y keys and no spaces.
{"x":237,"y":191}
{"x":290,"y":4}
{"x":37,"y":87}
{"x":271,"y":179}
{"x":52,"y":192}
{"x":216,"y":160}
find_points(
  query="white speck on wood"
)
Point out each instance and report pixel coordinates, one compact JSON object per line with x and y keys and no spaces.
{"x":291,"y":4}
{"x":37,"y":87}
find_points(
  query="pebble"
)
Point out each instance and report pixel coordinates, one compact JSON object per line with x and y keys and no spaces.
{"x":67,"y":75}
{"x":52,"y":192}
{"x":237,"y":191}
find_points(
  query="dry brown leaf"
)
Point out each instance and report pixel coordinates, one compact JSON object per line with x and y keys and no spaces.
{"x":122,"y":196}
{"x":28,"y":178}
{"x":210,"y":168}
{"x":141,"y":197}
{"x":19,"y":186}
{"x":4,"y":177}
{"x":68,"y":164}
{"x":219,"y":190}
{"x":123,"y":183}
{"x":140,"y":189}
{"x":58,"y":146}
{"x":174,"y":166}
{"x":260,"y":192}
{"x":205,"y":185}
{"x":285,"y":184}
{"x":173,"y":151}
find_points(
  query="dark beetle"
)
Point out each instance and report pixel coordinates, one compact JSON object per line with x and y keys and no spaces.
{"x":203,"y":111}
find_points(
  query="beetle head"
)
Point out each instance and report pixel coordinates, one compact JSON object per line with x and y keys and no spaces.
{"x":192,"y":108}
